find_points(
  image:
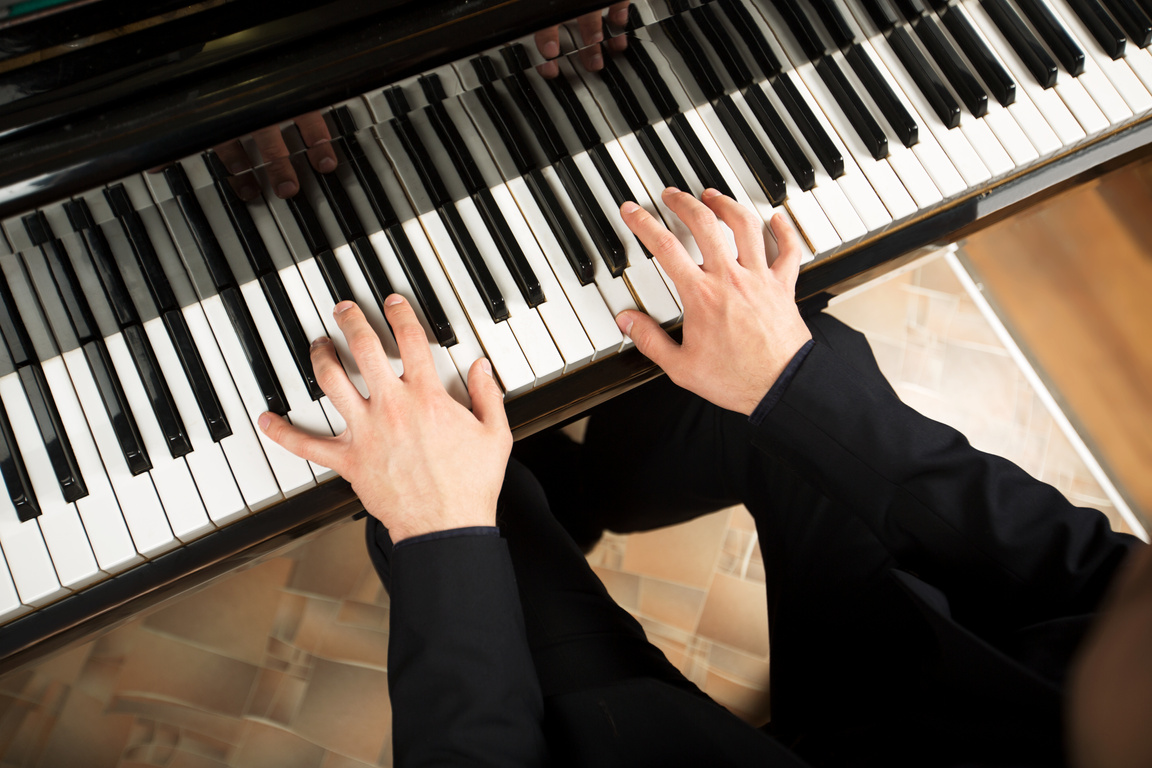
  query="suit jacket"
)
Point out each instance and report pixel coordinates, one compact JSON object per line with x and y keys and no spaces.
{"x":1000,"y":576}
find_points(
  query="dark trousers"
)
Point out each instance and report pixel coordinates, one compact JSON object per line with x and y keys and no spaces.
{"x":859,"y":672}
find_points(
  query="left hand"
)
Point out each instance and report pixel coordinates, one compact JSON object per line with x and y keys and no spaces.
{"x":418,"y":460}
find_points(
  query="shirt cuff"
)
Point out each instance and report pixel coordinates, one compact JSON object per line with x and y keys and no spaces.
{"x":476,"y":530}
{"x":777,"y":391}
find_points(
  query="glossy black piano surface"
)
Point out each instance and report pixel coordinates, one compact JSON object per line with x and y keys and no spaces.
{"x":867,"y":128}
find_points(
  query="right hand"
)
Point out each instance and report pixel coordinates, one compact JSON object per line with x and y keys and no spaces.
{"x":741,"y":323}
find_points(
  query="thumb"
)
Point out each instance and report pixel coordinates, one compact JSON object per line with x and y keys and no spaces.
{"x":652,"y":340}
{"x":487,"y":398}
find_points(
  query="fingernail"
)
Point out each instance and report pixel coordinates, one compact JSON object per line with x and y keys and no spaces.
{"x":624,"y":323}
{"x":550,"y":50}
{"x":710,"y":193}
{"x":597,"y":61}
{"x":286,"y":189}
{"x":264,"y":420}
{"x":327,"y":165}
{"x":342,"y":307}
{"x":393,"y":300}
{"x":486,"y":366}
{"x":621,"y":16}
{"x":671,"y":191}
{"x":629,"y":208}
{"x":321,"y":342}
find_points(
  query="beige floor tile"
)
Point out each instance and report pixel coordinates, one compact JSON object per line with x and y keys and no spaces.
{"x":346,"y":709}
{"x":87,"y":735}
{"x":268,"y":746}
{"x":749,"y":703}
{"x":739,"y":666}
{"x":198,"y":726}
{"x":234,"y":618}
{"x":335,"y":563}
{"x":736,"y":614}
{"x":189,"y":760}
{"x":685,"y":554}
{"x":623,"y":587}
{"x":672,"y":604}
{"x":356,"y":645}
{"x":363,"y":615}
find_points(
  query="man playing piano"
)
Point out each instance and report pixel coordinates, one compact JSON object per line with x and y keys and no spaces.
{"x":926,"y":600}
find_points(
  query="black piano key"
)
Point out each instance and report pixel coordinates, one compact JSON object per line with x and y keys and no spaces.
{"x":291,"y":330}
{"x":422,"y":162}
{"x":611,"y":176}
{"x":421,"y":287}
{"x":60,"y":454}
{"x":509,"y":248}
{"x":761,"y":51}
{"x":116,"y":403}
{"x":607,"y":244}
{"x":697,"y":155}
{"x":882,"y":13}
{"x":474,"y":263}
{"x":997,"y":79}
{"x":167,"y":415}
{"x":15,"y":473}
{"x":794,"y":159}
{"x":1040,"y":65}
{"x":64,"y":276}
{"x":373,"y":270}
{"x":955,"y":70}
{"x":371,"y":185}
{"x":1133,"y":20}
{"x":854,"y":109}
{"x":912,"y":9}
{"x":528,"y":102}
{"x":142,"y":249}
{"x":337,"y":197}
{"x":925,"y":77}
{"x":586,"y":132}
{"x":689,"y":46}
{"x":1101,"y":26}
{"x":13,"y":331}
{"x":458,"y":154}
{"x":101,"y":256}
{"x":767,"y":175}
{"x":1066,"y":50}
{"x":197,"y":375}
{"x":202,"y":233}
{"x":249,"y":236}
{"x":254,"y":352}
{"x":893,"y":110}
{"x":826,"y":151}
{"x":321,"y":250}
{"x":834,"y":21}
{"x":657,"y":154}
{"x":657,"y":89}
{"x":561,"y":228}
{"x":708,"y":19}
{"x":509,"y":133}
{"x":623,"y":96}
{"x":801,"y":28}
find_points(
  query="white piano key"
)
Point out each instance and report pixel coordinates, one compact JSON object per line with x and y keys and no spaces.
{"x":10,"y":605}
{"x":1050,"y":109}
{"x":292,"y":473}
{"x":1100,"y":69}
{"x":142,"y":510}
{"x":209,"y":467}
{"x":173,"y":480}
{"x":986,"y":145}
{"x":23,"y":542}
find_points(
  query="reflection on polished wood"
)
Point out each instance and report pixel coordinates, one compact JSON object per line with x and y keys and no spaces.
{"x":1073,"y":280}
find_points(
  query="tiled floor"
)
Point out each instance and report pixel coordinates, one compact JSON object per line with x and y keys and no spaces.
{"x":284,"y":664}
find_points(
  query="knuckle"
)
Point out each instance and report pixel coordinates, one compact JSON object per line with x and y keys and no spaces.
{"x":666,"y":242}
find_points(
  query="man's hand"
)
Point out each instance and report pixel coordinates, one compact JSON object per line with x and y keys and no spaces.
{"x":591,"y":27}
{"x":418,"y":460}
{"x":274,"y":156}
{"x":741,"y":324}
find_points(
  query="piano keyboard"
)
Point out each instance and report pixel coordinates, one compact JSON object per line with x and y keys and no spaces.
{"x":148,"y":323}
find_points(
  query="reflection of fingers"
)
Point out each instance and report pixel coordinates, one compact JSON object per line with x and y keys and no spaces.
{"x":548,"y":69}
{"x":410,"y":338}
{"x":661,"y":243}
{"x":323,"y":451}
{"x":617,"y":44}
{"x":270,"y":143}
{"x":365,"y":347}
{"x":746,"y":226}
{"x":704,"y":227}
{"x":592,"y":58}
{"x":314,"y":132}
{"x":333,"y":379}
{"x":787,"y":264}
{"x":232,"y":154}
{"x":548,"y":42}
{"x":282,"y":177}
{"x":487,"y":399}
{"x":591,"y":32}
{"x":618,"y":13}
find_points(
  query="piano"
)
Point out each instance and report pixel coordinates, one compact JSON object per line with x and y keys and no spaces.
{"x":155,"y":297}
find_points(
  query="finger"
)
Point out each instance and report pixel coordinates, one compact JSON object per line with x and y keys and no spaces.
{"x":410,"y":338}
{"x":548,"y":42}
{"x":235,"y":159}
{"x":333,"y":379}
{"x":617,"y":44}
{"x":324,"y":451}
{"x":314,"y":132}
{"x":786,"y":267}
{"x":618,"y":13}
{"x":747,"y":229}
{"x":652,"y":340}
{"x":487,"y":398}
{"x":704,"y":227}
{"x":365,"y":347}
{"x":661,"y":243}
{"x":591,"y":32}
{"x":270,"y":144}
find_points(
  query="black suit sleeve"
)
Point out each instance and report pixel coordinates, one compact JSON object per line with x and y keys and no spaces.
{"x":1005,"y":547}
{"x":463,"y":688}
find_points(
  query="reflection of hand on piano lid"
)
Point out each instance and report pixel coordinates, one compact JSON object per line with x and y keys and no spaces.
{"x":591,"y":27}
{"x":274,"y":157}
